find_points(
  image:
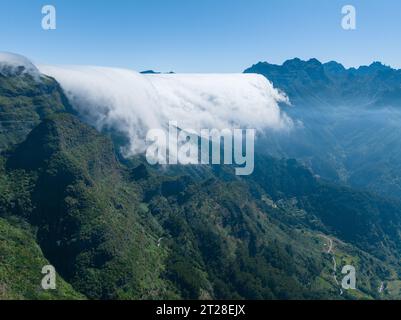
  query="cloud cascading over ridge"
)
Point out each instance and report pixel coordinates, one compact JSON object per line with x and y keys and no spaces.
{"x":12,"y":64}
{"x":133,"y":103}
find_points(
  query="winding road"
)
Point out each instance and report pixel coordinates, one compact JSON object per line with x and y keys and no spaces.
{"x":330,"y":251}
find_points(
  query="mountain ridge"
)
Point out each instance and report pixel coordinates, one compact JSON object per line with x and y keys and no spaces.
{"x":118,"y":228}
{"x":320,"y":84}
{"x":347,"y":121}
{"x":377,"y":65}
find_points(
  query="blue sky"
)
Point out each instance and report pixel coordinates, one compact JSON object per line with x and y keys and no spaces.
{"x":201,"y":35}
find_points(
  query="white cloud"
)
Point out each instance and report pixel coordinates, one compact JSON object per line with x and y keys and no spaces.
{"x":133,"y":103}
{"x":11,"y":64}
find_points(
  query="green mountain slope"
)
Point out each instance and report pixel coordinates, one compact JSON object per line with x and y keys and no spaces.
{"x":89,"y":222}
{"x":117,"y":228}
{"x":364,"y":219}
{"x":21,"y":263}
{"x":114,"y":232}
{"x":24,"y":102}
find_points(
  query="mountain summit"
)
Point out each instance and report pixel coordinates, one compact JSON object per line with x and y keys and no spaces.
{"x":320,"y":84}
{"x":15,"y":64}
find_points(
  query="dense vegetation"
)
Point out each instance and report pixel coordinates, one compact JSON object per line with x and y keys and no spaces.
{"x":117,"y":228}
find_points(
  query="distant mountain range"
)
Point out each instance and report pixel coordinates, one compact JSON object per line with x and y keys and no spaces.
{"x":155,"y":72}
{"x":117,"y":228}
{"x":348,"y":121}
{"x":314,"y":83}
